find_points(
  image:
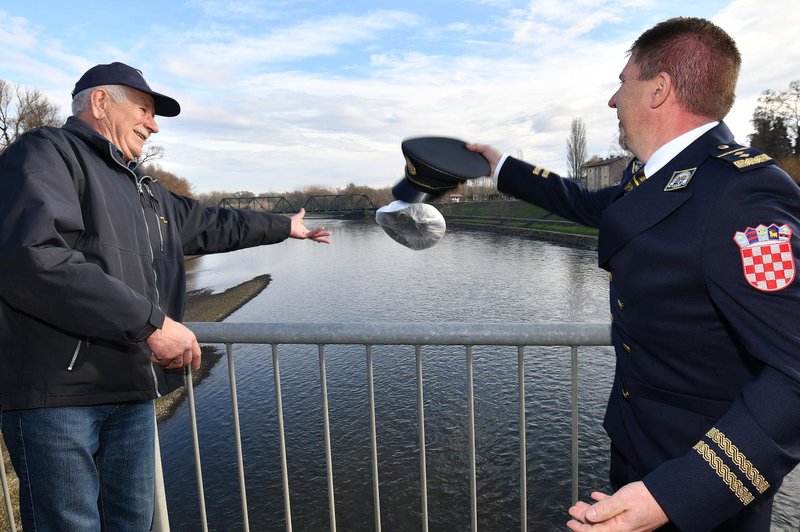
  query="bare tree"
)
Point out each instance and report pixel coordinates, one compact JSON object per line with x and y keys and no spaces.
{"x":151,"y":153}
{"x":576,"y":150}
{"x":615,"y":149}
{"x":21,"y":110}
{"x":170,"y":181}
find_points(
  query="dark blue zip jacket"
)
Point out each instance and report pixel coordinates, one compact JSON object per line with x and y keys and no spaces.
{"x":91,"y":261}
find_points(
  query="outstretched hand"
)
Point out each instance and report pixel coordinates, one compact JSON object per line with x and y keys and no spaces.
{"x":631,"y":509}
{"x":300,"y":231}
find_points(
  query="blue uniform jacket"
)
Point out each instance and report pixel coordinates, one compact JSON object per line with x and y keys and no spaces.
{"x":705,"y":307}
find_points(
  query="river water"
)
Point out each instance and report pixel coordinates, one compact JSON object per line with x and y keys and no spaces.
{"x":364,"y":276}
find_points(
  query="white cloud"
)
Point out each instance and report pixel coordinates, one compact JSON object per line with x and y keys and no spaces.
{"x":272,"y":100}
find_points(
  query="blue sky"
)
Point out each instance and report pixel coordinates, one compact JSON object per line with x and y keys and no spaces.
{"x":281,"y":95}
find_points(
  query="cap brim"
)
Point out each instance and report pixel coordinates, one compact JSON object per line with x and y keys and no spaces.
{"x":164,"y":105}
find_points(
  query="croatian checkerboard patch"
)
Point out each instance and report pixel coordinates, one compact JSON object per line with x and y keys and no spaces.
{"x":767,"y":256}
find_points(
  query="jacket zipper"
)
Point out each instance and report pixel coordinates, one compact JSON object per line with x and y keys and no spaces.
{"x":74,"y":356}
{"x":154,"y":204}
{"x":140,"y":191}
{"x":139,"y":187}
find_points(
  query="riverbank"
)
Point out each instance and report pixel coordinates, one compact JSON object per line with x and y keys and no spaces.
{"x":514,"y":217}
{"x":201,"y":305}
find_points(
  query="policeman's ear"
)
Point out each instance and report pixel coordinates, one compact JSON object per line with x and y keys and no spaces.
{"x":662,"y":88}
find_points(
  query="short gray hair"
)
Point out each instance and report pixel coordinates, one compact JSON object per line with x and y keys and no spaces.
{"x":118,"y":93}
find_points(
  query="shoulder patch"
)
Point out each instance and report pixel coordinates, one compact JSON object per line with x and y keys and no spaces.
{"x":742,"y":157}
{"x":767,"y":256}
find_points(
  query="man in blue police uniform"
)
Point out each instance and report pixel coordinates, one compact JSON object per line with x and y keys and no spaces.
{"x":700,"y":243}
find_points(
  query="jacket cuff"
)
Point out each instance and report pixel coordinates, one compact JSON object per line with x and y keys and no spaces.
{"x":703,"y":488}
{"x":155,"y":321}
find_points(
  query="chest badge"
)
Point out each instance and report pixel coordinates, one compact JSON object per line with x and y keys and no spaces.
{"x":767,"y":256}
{"x":680,"y":179}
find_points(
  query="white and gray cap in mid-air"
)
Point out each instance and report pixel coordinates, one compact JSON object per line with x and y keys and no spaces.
{"x":415,"y":225}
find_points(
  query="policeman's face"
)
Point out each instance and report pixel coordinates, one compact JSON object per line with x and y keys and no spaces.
{"x":129,"y":123}
{"x":632,"y":104}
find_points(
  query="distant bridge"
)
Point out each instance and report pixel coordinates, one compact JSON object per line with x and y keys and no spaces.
{"x":339,"y":204}
{"x":277,"y":204}
{"x":328,"y":204}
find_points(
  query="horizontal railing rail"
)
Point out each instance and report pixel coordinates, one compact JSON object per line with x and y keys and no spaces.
{"x":451,"y":333}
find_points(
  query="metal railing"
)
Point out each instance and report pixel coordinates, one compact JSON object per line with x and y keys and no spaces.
{"x":416,"y":334}
{"x":519,"y":335}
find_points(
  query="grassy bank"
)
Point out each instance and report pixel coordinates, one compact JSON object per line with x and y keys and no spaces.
{"x":518,"y":218}
{"x":201,"y":305}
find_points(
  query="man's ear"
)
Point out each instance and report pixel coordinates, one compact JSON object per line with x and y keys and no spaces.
{"x":98,"y":101}
{"x":662,"y":87}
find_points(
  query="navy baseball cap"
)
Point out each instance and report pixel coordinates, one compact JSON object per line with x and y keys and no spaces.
{"x":122,"y":74}
{"x":435,"y":165}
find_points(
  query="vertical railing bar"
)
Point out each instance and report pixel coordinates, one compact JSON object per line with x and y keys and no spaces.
{"x":473,"y":491}
{"x":376,"y":495}
{"x":327,"y":428}
{"x":198,"y":467}
{"x":574,"y":416}
{"x":276,"y":374}
{"x":6,"y":492}
{"x":160,"y":512}
{"x":421,"y":416}
{"x":523,"y":451}
{"x":238,"y":438}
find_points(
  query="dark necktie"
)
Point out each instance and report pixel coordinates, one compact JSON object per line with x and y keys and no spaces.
{"x":637,"y":177}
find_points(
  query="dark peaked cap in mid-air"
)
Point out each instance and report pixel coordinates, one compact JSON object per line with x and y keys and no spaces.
{"x":435,"y":165}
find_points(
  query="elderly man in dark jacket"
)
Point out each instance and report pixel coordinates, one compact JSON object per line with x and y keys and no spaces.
{"x":92,"y":290}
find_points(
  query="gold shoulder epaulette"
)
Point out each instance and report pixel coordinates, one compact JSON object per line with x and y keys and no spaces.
{"x":743,"y":157}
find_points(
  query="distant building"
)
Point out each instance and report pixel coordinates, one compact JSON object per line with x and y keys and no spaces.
{"x":456,"y":198}
{"x":604,"y":172}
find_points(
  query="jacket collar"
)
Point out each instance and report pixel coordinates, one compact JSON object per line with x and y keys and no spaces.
{"x":95,"y":140}
{"x":649,"y":203}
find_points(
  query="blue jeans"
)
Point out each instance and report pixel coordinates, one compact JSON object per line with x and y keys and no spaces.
{"x":84,"y":468}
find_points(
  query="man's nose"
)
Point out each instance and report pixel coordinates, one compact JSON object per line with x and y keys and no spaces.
{"x":152,"y":125}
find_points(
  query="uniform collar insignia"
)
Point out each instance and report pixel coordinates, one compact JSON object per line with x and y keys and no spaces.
{"x":679,"y":179}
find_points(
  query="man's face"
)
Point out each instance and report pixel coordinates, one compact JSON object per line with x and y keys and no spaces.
{"x":632,"y":102}
{"x":130,"y":123}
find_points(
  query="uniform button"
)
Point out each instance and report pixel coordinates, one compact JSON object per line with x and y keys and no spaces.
{"x":723,"y":147}
{"x":612,"y":318}
{"x":627,"y":347}
{"x":620,"y":304}
{"x":626,"y":394}
{"x":610,"y":277}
